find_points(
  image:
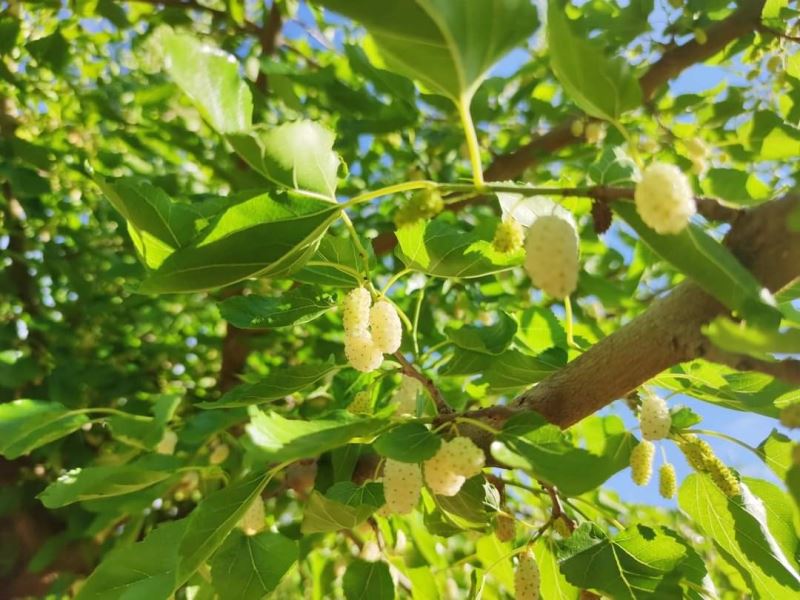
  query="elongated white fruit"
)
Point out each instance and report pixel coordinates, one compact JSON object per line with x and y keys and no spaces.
{"x":642,"y":462}
{"x":551,"y":255}
{"x":402,"y":484}
{"x":527,"y":578}
{"x":362,"y":353}
{"x":387,"y":331}
{"x":654,"y":418}
{"x":455,"y":462}
{"x":355,"y":315}
{"x":664,"y":198}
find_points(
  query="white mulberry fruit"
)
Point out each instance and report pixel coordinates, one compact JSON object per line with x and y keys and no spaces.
{"x":551,"y":255}
{"x":253,"y":520}
{"x":362,"y":403}
{"x":527,"y":577}
{"x":387,"y":331}
{"x":168,"y":442}
{"x":406,"y":395}
{"x":452,"y":465}
{"x":595,"y":132}
{"x":664,"y":198}
{"x":402,"y":485}
{"x":642,"y":462}
{"x":667,"y":481}
{"x":356,"y":310}
{"x":654,"y":418}
{"x":362,"y":352}
{"x":508,"y":237}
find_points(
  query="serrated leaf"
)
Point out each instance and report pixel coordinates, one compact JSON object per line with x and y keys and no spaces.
{"x":527,"y":441}
{"x":554,"y":584}
{"x":444,"y":45}
{"x":347,"y":492}
{"x":368,"y":581}
{"x":295,"y":307}
{"x":776,"y":452}
{"x":474,"y":504}
{"x":341,"y":258}
{"x":323,"y":515}
{"x":489,"y":339}
{"x":283,"y":439}
{"x":710,"y":264}
{"x":603,"y":87}
{"x":210,"y":77}
{"x":285,"y":234}
{"x":409,"y":442}
{"x":738,"y":528}
{"x":278,"y":384}
{"x":512,"y":370}
{"x":29,"y":424}
{"x":248,"y":567}
{"x":298,"y":156}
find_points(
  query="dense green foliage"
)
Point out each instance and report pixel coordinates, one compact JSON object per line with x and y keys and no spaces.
{"x":191,"y":189}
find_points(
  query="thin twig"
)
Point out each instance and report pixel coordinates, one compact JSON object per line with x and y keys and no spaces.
{"x":787,"y":370}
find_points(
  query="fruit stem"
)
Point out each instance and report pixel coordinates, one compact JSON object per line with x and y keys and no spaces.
{"x":568,"y":319}
{"x":473,"y":147}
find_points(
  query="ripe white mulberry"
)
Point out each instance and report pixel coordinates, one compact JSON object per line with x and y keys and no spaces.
{"x":356,"y":310}
{"x":654,"y":418}
{"x":527,"y":577}
{"x":551,"y":255}
{"x":402,"y":485}
{"x":642,"y":462}
{"x":385,"y":326}
{"x":406,"y":395}
{"x":361,"y":352}
{"x":664,"y":198}
{"x":452,"y":465}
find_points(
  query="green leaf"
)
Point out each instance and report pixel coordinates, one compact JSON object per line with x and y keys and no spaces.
{"x":709,"y":264}
{"x":683,"y":417}
{"x":738,"y":528}
{"x":442,"y":249}
{"x":51,"y":51}
{"x":146,"y":569}
{"x":91,"y":483}
{"x":322,"y":515}
{"x":776,"y":452}
{"x":603,"y":87}
{"x":512,"y":370}
{"x":298,"y":156}
{"x":142,"y":433}
{"x":210,"y":77}
{"x":630,"y":565}
{"x":283,"y":439}
{"x":347,"y":492}
{"x":368,"y":581}
{"x":212,"y":520}
{"x":295,"y":307}
{"x":779,"y":514}
{"x":761,"y":343}
{"x":256,"y":236}
{"x":248,"y":567}
{"x":527,"y":441}
{"x":278,"y":384}
{"x":474,"y":504}
{"x":29,"y":424}
{"x":446,"y":46}
{"x":342,"y":259}
{"x":737,"y":187}
{"x":157,"y":225}
{"x":491,"y":339}
{"x":554,"y":584}
{"x":410,"y":442}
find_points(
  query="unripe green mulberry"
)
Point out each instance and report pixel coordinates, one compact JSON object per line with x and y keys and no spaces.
{"x":696,"y":451}
{"x":595,"y":132}
{"x":423,"y":205}
{"x":642,"y":462}
{"x":700,"y":36}
{"x":361,"y":352}
{"x":362,"y":403}
{"x":696,"y":148}
{"x":219,"y":454}
{"x":505,"y":528}
{"x":551,"y":255}
{"x":775,"y":63}
{"x":664,"y":198}
{"x":355,"y":316}
{"x":402,"y":485}
{"x":667,"y":481}
{"x":576,"y":128}
{"x":527,"y":577}
{"x":508,"y":236}
{"x":723,"y":477}
{"x":654,"y":418}
{"x":385,"y":326}
{"x":702,"y":459}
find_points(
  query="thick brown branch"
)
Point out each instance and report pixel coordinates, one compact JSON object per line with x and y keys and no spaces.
{"x":669,"y":332}
{"x":744,"y":20}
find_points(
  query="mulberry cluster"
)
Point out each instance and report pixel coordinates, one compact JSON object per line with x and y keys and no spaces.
{"x":370,"y":332}
{"x":551,"y":255}
{"x":406,"y":396}
{"x":423,"y":205}
{"x":454,"y":463}
{"x":667,"y":481}
{"x":402,"y":485}
{"x":664,"y":198}
{"x":508,"y":237}
{"x":654,"y":418}
{"x":702,"y":458}
{"x":642,"y":462}
{"x":527,"y":578}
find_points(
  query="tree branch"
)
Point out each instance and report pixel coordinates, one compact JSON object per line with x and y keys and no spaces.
{"x":787,"y":370}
